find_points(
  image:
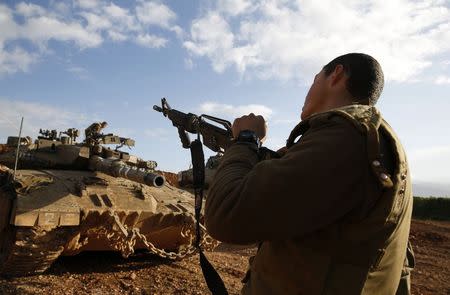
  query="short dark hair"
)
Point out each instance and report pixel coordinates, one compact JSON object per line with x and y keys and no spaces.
{"x":365,"y":76}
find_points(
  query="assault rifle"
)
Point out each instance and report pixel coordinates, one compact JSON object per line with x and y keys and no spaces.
{"x":216,"y":138}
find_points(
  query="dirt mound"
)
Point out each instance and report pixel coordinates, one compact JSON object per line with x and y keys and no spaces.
{"x":171,"y":178}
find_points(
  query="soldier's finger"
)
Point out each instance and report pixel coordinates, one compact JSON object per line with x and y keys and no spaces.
{"x":261,"y":118}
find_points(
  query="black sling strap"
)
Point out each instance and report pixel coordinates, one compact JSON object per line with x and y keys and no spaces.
{"x":212,"y":278}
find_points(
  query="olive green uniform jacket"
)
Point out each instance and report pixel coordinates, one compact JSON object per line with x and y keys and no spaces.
{"x":332,"y":215}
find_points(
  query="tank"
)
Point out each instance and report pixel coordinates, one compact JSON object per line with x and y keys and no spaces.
{"x":185,"y":178}
{"x":67,"y":197}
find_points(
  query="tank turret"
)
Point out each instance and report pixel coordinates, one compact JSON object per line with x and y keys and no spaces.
{"x":51,"y":151}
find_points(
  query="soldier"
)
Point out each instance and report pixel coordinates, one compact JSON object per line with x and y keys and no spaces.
{"x":93,"y":131}
{"x":332,"y":215}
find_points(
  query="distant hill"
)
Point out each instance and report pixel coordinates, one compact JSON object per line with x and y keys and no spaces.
{"x":426,"y":189}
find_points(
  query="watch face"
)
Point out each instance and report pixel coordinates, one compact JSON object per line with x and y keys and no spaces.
{"x":248,"y":136}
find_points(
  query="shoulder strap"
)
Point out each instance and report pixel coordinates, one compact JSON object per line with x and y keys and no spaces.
{"x":368,"y":120}
{"x":296,"y":132}
{"x":212,"y":278}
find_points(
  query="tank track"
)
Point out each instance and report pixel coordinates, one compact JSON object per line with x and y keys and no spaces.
{"x":32,"y":250}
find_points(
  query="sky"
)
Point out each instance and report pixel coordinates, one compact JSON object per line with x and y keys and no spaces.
{"x":70,"y":63}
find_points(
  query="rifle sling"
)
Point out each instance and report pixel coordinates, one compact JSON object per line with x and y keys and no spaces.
{"x":212,"y":278}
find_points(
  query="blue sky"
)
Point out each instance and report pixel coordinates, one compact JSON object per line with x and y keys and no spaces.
{"x":69,"y":63}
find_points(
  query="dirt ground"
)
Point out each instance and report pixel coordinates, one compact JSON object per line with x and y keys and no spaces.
{"x":431,"y":244}
{"x":108,"y":273}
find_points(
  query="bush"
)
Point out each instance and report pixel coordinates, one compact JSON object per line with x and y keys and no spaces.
{"x":431,"y":208}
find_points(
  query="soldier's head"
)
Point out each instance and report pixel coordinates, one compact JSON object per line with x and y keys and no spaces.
{"x":347,"y":79}
{"x":104,"y":124}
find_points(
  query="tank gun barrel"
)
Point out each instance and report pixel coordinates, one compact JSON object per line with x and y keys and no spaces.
{"x":117,"y":168}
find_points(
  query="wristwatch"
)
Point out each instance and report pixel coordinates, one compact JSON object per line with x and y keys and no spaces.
{"x":249,"y":137}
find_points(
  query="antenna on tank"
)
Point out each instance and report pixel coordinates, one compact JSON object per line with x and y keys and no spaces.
{"x":17,"y":150}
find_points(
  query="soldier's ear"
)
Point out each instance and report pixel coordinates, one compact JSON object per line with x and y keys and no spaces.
{"x":337,"y":76}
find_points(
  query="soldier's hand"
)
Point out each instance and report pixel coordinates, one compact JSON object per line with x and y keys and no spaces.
{"x":251,"y":122}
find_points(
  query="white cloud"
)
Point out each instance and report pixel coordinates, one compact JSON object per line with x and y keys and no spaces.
{"x":117,"y":36}
{"x":121,"y":17}
{"x":87,"y":4}
{"x":29,"y":9}
{"x":60,"y":8}
{"x":43,"y":29}
{"x":287,"y":39}
{"x":36,"y":115}
{"x":153,"y":13}
{"x":116,"y":11}
{"x":8,"y":27}
{"x":430,"y":164}
{"x":96,"y":22}
{"x":178,"y":31}
{"x":218,"y":109}
{"x":85,"y":24}
{"x":442,"y":80}
{"x":234,"y":7}
{"x":16,"y":60}
{"x":151,"y":41}
{"x":212,"y":37}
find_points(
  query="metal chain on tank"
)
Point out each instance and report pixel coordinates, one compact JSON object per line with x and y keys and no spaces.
{"x":124,"y":239}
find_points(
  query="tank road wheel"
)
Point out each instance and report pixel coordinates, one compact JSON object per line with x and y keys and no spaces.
{"x":7,"y":232}
{"x":6,"y":244}
{"x":29,"y":251}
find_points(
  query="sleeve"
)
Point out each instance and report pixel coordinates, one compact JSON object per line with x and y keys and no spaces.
{"x":318,"y":181}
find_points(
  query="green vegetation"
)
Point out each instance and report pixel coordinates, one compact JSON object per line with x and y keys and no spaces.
{"x":431,"y":208}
